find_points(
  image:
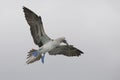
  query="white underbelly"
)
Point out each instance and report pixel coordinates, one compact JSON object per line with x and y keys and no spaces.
{"x":49,"y":46}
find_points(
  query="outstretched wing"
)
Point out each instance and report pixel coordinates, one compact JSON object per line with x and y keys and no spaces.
{"x":66,"y":50}
{"x":36,"y":27}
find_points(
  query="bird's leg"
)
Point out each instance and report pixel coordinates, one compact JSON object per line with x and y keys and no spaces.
{"x":43,"y":57}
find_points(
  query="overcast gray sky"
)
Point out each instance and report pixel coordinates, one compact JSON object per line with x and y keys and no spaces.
{"x":92,"y":26}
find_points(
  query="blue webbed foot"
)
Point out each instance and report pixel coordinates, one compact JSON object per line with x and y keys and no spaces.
{"x":35,"y":53}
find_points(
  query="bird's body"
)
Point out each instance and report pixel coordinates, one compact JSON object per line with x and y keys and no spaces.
{"x":46,"y":48}
{"x":52,"y":44}
{"x":46,"y":44}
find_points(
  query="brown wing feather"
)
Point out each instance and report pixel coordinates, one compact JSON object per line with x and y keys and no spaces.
{"x":66,"y":50}
{"x":36,"y":27}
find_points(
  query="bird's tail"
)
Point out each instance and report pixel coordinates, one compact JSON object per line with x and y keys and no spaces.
{"x":33,"y":56}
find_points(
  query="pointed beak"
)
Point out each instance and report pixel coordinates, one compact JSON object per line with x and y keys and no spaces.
{"x":65,"y":42}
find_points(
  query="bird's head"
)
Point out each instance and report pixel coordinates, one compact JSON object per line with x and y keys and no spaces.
{"x":63,"y":40}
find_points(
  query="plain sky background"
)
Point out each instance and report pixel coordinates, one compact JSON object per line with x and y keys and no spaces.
{"x":92,"y":26}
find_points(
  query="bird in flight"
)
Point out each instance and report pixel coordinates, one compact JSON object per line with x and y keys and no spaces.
{"x":45,"y":43}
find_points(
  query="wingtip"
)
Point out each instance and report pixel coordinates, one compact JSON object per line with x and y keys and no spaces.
{"x":82,"y":52}
{"x":23,"y":7}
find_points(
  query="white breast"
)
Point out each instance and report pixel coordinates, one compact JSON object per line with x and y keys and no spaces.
{"x":50,"y":45}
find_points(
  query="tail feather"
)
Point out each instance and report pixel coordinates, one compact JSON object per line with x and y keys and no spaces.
{"x":31,"y":56}
{"x":31,"y":51}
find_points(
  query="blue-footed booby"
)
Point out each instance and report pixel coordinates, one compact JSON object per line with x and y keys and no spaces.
{"x":45,"y":43}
